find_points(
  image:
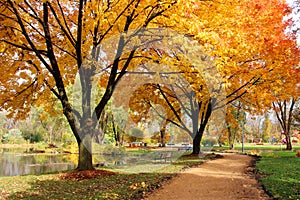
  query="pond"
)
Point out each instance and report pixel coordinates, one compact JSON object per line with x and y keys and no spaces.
{"x":15,"y":162}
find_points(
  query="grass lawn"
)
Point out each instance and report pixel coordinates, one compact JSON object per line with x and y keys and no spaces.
{"x":117,"y":186}
{"x":251,"y":146}
{"x":281,"y":174}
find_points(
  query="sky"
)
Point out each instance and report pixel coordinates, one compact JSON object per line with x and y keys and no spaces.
{"x":295,"y":15}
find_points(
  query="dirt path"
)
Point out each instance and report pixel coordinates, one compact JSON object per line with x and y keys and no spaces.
{"x":223,"y":178}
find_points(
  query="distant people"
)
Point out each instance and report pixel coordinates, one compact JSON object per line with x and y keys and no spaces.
{"x":284,"y":141}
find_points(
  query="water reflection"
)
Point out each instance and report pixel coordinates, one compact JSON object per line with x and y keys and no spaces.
{"x":14,"y":162}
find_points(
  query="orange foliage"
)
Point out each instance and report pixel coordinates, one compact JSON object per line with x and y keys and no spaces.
{"x":141,"y":102}
{"x":44,"y":43}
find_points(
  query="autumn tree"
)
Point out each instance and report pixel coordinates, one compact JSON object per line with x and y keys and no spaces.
{"x":235,"y":120}
{"x":250,"y":47}
{"x":254,"y":51}
{"x":157,"y":95}
{"x":118,"y":125}
{"x":266,"y":128}
{"x":170,"y":91}
{"x":198,"y":104}
{"x":3,"y":128}
{"x":113,"y":124}
{"x":45,"y":43}
{"x":284,"y":114}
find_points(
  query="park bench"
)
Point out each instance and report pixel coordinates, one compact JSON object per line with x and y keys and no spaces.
{"x":164,"y":157}
{"x":185,"y":148}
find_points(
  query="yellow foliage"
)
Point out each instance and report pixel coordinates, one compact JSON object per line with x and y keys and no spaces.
{"x":246,"y":39}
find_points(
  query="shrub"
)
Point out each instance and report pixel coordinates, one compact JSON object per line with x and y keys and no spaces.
{"x":14,"y":136}
{"x":32,"y":137}
{"x":209,"y":142}
{"x":135,"y":135}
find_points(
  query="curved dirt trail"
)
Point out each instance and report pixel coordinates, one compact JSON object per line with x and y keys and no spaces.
{"x":223,"y":178}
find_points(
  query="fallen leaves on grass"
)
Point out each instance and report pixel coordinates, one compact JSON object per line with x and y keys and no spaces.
{"x":4,"y":194}
{"x":85,"y":174}
{"x":137,"y":186}
{"x":111,"y":196}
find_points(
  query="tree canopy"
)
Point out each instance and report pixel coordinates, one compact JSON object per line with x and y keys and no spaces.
{"x":45,"y":44}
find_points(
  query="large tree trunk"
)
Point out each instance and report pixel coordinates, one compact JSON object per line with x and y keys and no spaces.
{"x":196,"y":141}
{"x":205,"y":117}
{"x":85,"y":153}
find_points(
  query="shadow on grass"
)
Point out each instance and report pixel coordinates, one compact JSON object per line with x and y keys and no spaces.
{"x":118,"y":186}
{"x":108,"y":186}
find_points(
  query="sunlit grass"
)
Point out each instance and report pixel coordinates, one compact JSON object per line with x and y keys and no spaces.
{"x":282,"y":171}
{"x":251,"y":146}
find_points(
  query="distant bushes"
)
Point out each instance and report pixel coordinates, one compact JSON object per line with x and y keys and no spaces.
{"x":14,"y":136}
{"x":209,"y":142}
{"x":135,"y":135}
{"x":32,"y":137}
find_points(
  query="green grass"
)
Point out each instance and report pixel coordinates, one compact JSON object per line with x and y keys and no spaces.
{"x":119,"y":186}
{"x":249,"y":147}
{"x":281,"y":172}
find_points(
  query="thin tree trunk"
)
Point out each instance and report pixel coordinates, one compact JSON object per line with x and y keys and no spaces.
{"x":115,"y":131}
{"x":288,"y":141}
{"x":284,"y":116}
{"x":162,"y":137}
{"x":231,"y":137}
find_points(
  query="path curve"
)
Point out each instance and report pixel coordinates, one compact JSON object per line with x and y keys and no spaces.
{"x":223,"y":178}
